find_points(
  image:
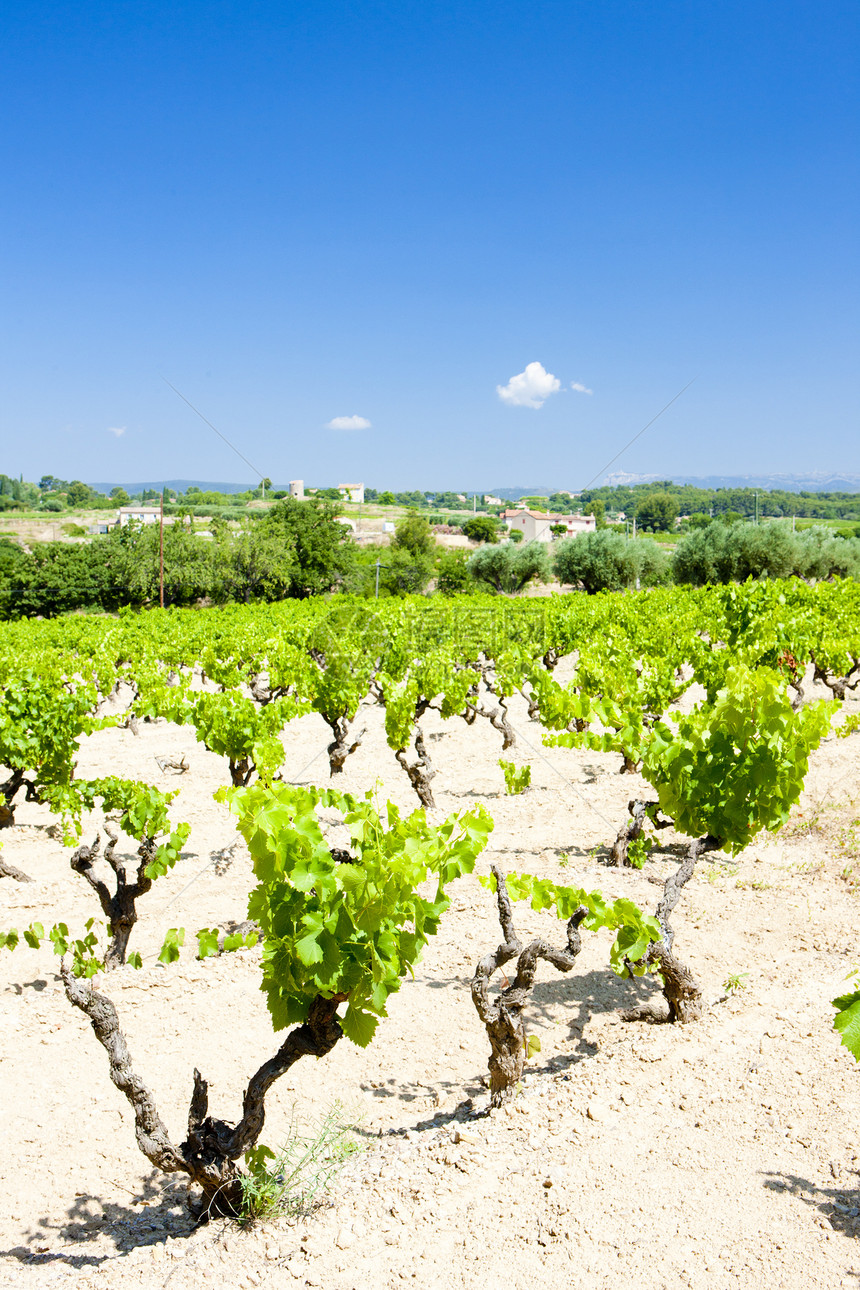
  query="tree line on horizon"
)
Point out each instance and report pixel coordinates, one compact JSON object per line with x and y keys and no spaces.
{"x":300,"y":549}
{"x":650,"y":503}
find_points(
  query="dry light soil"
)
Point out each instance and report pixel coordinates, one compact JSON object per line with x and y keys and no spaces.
{"x":723,"y":1153}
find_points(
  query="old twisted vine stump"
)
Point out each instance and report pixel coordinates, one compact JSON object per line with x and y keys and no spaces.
{"x":680,"y":988}
{"x":837,"y":685}
{"x":17,"y":780}
{"x":210,"y":1152}
{"x":119,"y":906}
{"x":340,"y":747}
{"x":420,"y":772}
{"x":503,"y":1017}
{"x":632,"y":829}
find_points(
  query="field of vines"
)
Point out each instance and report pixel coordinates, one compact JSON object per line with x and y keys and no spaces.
{"x":434,"y":941}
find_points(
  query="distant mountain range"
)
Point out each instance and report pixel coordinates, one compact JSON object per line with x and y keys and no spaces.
{"x":817,"y":482}
{"x":180,"y":485}
{"x":514,"y":494}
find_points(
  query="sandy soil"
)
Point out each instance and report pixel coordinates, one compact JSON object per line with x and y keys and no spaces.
{"x":721,"y":1154}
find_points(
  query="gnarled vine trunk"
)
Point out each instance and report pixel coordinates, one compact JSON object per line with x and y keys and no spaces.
{"x":421,"y":771}
{"x":119,"y":906}
{"x":503,"y":1018}
{"x":8,"y":790}
{"x":210,"y":1154}
{"x":632,"y":829}
{"x":838,"y":684}
{"x":680,"y":988}
{"x":340,"y":747}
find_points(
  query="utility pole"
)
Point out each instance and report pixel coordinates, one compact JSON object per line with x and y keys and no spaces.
{"x":756,"y":506}
{"x":379,"y":565}
{"x":161,"y":550}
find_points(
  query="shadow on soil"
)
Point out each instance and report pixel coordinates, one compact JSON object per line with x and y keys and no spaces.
{"x":579,"y":997}
{"x":839,"y":1206}
{"x":157,"y":1212}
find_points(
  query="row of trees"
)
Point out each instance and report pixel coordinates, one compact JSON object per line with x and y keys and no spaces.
{"x":720,"y":553}
{"x":301,"y":549}
{"x":746,"y":502}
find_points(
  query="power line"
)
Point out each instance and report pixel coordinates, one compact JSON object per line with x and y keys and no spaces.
{"x":215,"y":428}
{"x":637,"y":436}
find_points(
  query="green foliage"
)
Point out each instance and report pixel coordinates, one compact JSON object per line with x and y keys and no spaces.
{"x":41,"y":720}
{"x":607,"y":561}
{"x":403,"y":573}
{"x":657,"y":512}
{"x":286,"y":1183}
{"x":532,"y":1046}
{"x":79,"y":494}
{"x":849,"y":726}
{"x":231,"y":725}
{"x":452,"y":573}
{"x":481,"y":528}
{"x":638,"y":849}
{"x":508,"y":567}
{"x":207,"y":942}
{"x":597,"y":508}
{"x":174,"y":939}
{"x":847,"y":1020}
{"x":736,"y":766}
{"x":350,"y":930}
{"x":413,"y":535}
{"x":733,"y":553}
{"x":517,"y":778}
{"x":634,"y":931}
{"x":142,"y":810}
{"x":208,"y":937}
{"x":85,"y":960}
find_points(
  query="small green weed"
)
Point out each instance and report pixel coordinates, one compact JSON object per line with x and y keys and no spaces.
{"x":716,"y":872}
{"x":807,"y":868}
{"x":848,"y":840}
{"x":735,"y":982}
{"x":289,"y":1181}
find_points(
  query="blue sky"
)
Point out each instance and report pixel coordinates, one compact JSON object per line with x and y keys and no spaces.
{"x":299,"y":213}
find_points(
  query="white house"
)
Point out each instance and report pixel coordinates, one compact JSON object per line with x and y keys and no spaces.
{"x":489,"y":500}
{"x":536,"y":526}
{"x":146,"y":514}
{"x":351,"y":492}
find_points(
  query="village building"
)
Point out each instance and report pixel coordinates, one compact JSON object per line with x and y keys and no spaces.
{"x":351,"y":492}
{"x":537,"y":526}
{"x":145,"y":514}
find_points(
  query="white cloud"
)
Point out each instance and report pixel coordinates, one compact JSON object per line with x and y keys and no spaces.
{"x":530,"y":389}
{"x":348,"y":423}
{"x":580,"y":389}
{"x":119,"y":431}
